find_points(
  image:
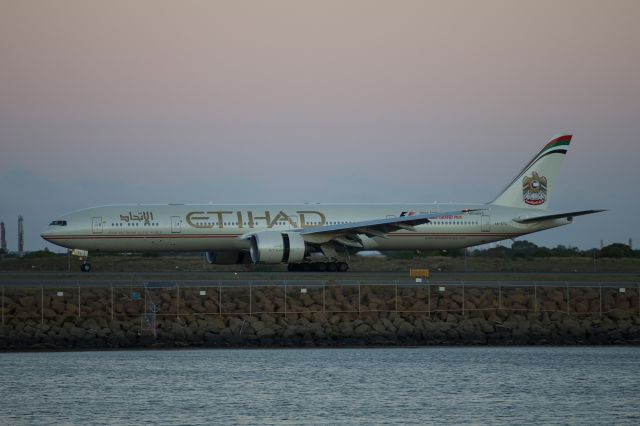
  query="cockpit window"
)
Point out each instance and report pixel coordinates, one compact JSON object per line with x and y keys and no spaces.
{"x":58,"y":223}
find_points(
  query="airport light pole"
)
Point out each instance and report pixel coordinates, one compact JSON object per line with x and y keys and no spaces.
{"x":466,"y":269}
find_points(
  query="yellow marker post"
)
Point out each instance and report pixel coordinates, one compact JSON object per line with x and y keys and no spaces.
{"x":419,"y":274}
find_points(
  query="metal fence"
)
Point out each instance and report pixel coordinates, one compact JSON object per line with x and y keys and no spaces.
{"x":118,"y":301}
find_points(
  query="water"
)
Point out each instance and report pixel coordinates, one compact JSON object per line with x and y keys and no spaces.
{"x":494,"y":385}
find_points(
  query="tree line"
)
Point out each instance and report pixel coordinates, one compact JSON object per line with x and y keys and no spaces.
{"x":518,"y":250}
{"x":525,"y":249}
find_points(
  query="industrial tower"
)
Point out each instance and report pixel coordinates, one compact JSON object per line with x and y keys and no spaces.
{"x":20,"y":237}
{"x":3,"y":238}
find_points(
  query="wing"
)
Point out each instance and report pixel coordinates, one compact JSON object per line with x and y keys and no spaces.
{"x":348,"y":233}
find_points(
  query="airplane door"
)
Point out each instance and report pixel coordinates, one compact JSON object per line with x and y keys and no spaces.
{"x":96,"y":225}
{"x":175,"y":224}
{"x":486,"y":223}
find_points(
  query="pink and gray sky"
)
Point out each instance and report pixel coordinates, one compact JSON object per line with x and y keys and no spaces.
{"x":326,"y":101}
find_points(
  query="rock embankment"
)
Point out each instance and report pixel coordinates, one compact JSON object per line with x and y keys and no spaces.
{"x":331,"y":315}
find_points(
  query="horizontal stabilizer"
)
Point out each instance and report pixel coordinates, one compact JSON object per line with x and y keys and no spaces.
{"x":557,"y":216}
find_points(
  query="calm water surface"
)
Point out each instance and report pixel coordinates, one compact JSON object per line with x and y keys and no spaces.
{"x":572,"y":385}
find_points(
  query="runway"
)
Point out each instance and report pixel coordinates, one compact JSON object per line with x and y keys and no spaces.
{"x":243,"y":279}
{"x":286,"y":275}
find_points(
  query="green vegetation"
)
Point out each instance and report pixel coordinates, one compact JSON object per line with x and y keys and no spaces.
{"x":40,"y":254}
{"x":523,"y":256}
{"x":524,"y":250}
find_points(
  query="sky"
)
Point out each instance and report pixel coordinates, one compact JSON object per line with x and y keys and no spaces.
{"x":317,"y":101}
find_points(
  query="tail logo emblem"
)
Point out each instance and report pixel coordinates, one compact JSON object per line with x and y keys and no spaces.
{"x":534,"y":189}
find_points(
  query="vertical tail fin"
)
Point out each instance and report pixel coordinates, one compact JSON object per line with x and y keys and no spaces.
{"x":532,"y":187}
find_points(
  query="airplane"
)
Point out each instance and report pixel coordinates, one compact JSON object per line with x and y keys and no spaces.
{"x":319,"y":237}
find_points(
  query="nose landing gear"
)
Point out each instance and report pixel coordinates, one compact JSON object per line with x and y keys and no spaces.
{"x":83,"y":255}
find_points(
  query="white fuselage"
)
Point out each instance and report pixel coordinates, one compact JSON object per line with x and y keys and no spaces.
{"x":223,"y":227}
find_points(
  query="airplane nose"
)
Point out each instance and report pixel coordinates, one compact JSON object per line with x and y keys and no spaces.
{"x":54,"y":232}
{"x":46,"y":233}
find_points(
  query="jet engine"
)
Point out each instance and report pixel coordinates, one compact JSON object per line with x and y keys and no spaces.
{"x":277,"y":247}
{"x":227,"y":257}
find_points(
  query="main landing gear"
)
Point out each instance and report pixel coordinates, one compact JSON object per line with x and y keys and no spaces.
{"x":85,"y":267}
{"x":318,"y":267}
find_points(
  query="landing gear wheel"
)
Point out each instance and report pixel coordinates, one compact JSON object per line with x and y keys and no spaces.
{"x":320,"y":267}
{"x":85,"y":267}
{"x":306,"y":267}
{"x":332,"y":267}
{"x":291,"y":267}
{"x":342,"y":267}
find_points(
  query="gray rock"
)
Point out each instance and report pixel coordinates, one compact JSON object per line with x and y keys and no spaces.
{"x":379,"y":327}
{"x":362,"y":329}
{"x":405,"y":329}
{"x":265,"y":332}
{"x":235,"y":324}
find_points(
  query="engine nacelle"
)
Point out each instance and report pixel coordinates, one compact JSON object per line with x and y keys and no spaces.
{"x":277,"y":247}
{"x":226,"y":257}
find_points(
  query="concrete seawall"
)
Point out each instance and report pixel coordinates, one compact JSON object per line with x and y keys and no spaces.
{"x":318,"y":314}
